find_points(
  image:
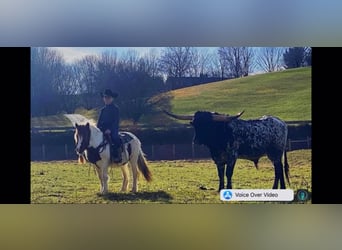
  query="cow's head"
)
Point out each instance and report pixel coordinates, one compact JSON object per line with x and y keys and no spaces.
{"x":209,"y":126}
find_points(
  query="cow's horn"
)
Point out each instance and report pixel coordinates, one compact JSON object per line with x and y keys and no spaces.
{"x":179,"y":117}
{"x":226,"y":118}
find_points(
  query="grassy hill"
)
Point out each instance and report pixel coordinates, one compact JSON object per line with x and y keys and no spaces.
{"x":286,"y":94}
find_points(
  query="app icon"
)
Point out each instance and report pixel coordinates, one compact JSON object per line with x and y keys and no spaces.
{"x":302,"y":195}
{"x":227,"y":195}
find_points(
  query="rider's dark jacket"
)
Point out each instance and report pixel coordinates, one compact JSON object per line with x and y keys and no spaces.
{"x":109,"y":119}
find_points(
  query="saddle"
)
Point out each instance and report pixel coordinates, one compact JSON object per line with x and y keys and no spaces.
{"x":120,"y":153}
{"x":125,"y":138}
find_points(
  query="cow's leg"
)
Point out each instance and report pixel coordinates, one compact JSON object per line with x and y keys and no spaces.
{"x":220,"y":171}
{"x":229,"y":172}
{"x":279,"y":175}
{"x":220,"y":164}
{"x":275,"y":157}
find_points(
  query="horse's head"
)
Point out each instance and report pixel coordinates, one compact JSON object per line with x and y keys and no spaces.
{"x":82,"y":138}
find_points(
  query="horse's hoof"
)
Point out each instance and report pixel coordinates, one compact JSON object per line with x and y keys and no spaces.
{"x":102,"y":193}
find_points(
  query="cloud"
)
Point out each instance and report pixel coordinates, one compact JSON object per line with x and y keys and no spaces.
{"x":72,"y":54}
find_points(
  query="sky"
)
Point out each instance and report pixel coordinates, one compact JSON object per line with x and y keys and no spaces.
{"x":71,"y":54}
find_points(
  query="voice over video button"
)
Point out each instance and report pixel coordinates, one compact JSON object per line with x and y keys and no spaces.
{"x":256,"y":195}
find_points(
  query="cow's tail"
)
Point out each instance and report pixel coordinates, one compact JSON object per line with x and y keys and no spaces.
{"x":286,"y":168}
{"x":142,"y":165}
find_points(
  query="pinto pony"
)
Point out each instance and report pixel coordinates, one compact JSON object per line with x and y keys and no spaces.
{"x":92,"y":146}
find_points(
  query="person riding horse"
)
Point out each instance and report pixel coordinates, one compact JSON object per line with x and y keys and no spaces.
{"x":108,"y":123}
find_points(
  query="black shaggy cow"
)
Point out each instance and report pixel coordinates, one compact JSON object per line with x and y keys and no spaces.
{"x":229,"y":138}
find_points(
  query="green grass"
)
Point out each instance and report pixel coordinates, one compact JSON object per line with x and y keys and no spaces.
{"x":285,"y":94}
{"x":175,"y":182}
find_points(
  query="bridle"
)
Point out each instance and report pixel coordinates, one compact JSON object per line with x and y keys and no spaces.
{"x":85,"y":141}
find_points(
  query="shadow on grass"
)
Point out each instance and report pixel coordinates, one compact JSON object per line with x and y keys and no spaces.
{"x":158,"y":196}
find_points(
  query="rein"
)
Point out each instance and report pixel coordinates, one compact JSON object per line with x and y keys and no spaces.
{"x":93,"y":153}
{"x":99,"y":149}
{"x":101,"y":146}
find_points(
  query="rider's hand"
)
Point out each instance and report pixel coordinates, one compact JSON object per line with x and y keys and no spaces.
{"x":107,"y":132}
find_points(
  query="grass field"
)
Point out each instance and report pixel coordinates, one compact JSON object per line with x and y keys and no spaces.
{"x":174,"y":182}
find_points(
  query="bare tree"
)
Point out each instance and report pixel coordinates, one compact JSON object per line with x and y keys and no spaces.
{"x":46,"y":68}
{"x":86,"y":70}
{"x":67,"y":89}
{"x":269,"y":59}
{"x":295,"y":57}
{"x":139,"y":81}
{"x":176,"y":61}
{"x":131,"y":60}
{"x":205,"y":62}
{"x":195,"y":63}
{"x":108,"y":64}
{"x":200,"y":63}
{"x":214,"y":66}
{"x":152,"y":64}
{"x":237,"y":61}
{"x":221,"y":65}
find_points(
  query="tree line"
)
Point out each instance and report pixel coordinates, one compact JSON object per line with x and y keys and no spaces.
{"x":60,"y":87}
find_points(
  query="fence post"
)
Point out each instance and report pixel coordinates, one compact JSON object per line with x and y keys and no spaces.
{"x":43,"y":151}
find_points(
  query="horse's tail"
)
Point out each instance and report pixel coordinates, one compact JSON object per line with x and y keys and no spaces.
{"x":286,"y":168}
{"x":142,"y":165}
